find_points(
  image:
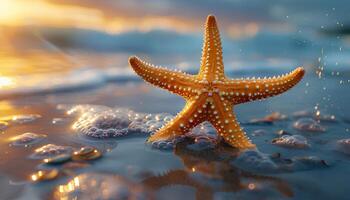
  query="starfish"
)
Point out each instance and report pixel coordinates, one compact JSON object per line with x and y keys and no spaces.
{"x":210,"y":95}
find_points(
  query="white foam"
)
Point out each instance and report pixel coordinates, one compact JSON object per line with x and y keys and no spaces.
{"x":104,"y":122}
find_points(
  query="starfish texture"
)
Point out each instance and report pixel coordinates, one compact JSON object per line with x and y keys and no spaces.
{"x":210,"y":95}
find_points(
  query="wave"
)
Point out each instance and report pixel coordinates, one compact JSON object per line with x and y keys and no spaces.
{"x":90,"y":77}
{"x":82,"y":78}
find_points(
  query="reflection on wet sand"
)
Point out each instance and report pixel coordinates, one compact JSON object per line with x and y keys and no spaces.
{"x":100,"y":186}
{"x":206,"y":168}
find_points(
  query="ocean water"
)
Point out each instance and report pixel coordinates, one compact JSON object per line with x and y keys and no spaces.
{"x":53,"y":102}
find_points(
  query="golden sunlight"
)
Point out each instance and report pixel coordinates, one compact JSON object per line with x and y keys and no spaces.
{"x":39,"y":12}
{"x":42,"y":13}
{"x":8,"y":10}
{"x":5,"y":82}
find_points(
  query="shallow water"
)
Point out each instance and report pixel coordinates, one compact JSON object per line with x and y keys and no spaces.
{"x":138,"y":170}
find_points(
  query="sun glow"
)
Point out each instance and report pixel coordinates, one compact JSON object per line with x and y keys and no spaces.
{"x":6,"y":10}
{"x":39,"y":12}
{"x":5,"y":82}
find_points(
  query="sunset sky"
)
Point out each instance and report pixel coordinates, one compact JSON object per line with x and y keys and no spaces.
{"x":250,"y":29}
{"x":237,"y":16}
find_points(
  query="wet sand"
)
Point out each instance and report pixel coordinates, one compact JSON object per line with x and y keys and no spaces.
{"x":180,"y":173}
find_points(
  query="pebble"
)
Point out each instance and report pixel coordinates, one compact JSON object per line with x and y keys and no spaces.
{"x":308,"y":125}
{"x":86,"y":153}
{"x":50,"y":150}
{"x":59,"y":159}
{"x":27,"y":139}
{"x":291,"y":141}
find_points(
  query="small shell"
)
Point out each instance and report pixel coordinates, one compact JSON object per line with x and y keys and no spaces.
{"x":308,"y":125}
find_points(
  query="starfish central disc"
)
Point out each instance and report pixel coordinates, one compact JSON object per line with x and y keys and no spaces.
{"x":210,"y":95}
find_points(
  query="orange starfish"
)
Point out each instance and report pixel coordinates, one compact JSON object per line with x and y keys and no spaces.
{"x":210,"y":95}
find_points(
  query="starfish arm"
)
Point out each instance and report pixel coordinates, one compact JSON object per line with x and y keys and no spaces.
{"x":212,"y":66}
{"x":176,"y":82}
{"x":227,"y":126}
{"x":192,"y":115}
{"x":241,"y":91}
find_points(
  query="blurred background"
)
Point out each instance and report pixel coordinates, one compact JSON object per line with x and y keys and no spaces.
{"x":50,"y":45}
